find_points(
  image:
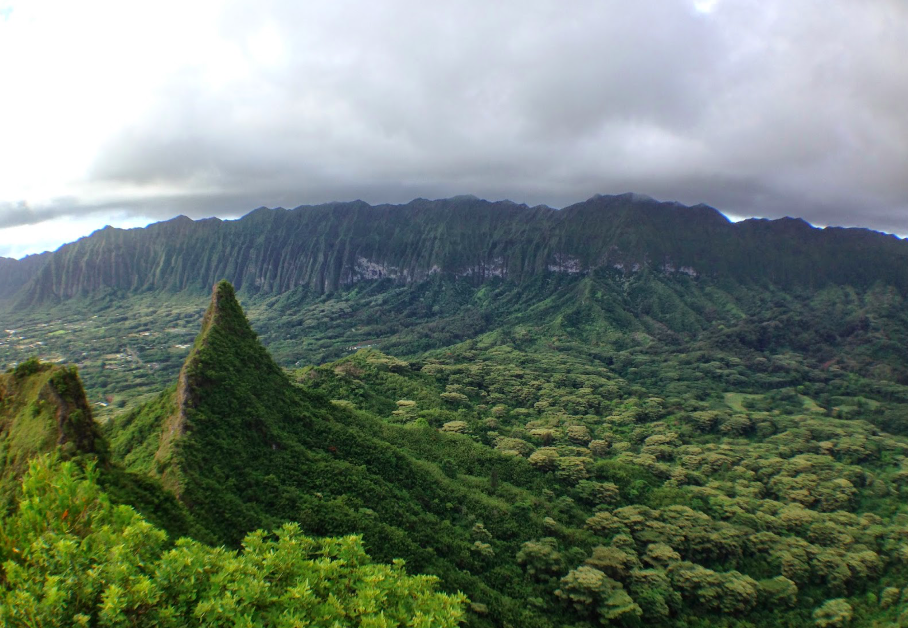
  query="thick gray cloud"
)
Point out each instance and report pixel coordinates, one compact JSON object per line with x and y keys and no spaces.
{"x":769,"y":108}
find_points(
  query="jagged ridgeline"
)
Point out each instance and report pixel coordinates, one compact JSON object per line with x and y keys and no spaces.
{"x":319,"y":281}
{"x":326,"y":247}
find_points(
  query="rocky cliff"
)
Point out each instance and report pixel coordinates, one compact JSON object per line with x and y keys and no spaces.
{"x":326,"y":247}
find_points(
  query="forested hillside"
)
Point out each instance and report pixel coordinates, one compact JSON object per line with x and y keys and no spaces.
{"x":620,"y":413}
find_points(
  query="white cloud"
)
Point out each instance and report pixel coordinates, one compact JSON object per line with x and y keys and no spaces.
{"x":759,"y":108}
{"x":706,"y":6}
{"x":51,"y":234}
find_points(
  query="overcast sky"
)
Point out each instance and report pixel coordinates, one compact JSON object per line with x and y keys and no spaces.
{"x":112,"y":114}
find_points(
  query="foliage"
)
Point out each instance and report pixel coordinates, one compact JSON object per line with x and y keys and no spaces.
{"x":723,"y":449}
{"x":70,"y":557}
{"x":688,"y":516}
{"x":833,"y":614}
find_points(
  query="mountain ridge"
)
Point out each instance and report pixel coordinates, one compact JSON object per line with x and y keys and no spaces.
{"x":326,"y":247}
{"x":225,"y":340}
{"x":43,"y":407}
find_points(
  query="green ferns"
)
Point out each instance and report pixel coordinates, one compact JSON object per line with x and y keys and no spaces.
{"x":71,"y":558}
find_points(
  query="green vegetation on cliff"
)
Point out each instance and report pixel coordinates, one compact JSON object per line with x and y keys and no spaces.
{"x":577,"y":465}
{"x":623,"y":413}
{"x":42,"y":408}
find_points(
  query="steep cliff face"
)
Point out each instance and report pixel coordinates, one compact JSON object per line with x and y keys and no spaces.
{"x":43,"y":408}
{"x":326,"y":247}
{"x":16,"y":273}
{"x":229,"y":384}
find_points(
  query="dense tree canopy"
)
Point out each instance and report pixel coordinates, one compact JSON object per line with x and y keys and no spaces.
{"x":609,"y":449}
{"x":72,"y":558}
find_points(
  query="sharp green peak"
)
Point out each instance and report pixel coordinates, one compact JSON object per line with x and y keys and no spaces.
{"x":229,"y":383}
{"x":43,"y":408}
{"x":227,"y":346}
{"x":224,"y":312}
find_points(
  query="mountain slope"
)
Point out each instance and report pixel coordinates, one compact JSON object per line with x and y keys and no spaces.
{"x":250,"y":388}
{"x":16,"y":273}
{"x":244,"y":448}
{"x":43,"y":410}
{"x":710,"y":507}
{"x":43,"y":407}
{"x":326,"y":247}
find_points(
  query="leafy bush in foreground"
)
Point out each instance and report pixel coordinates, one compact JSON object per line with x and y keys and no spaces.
{"x":70,"y":557}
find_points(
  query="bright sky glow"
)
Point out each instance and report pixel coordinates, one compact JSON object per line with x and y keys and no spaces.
{"x":46,"y":236}
{"x":705,"y":6}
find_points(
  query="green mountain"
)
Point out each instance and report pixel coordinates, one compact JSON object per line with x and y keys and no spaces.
{"x":244,"y":448}
{"x":618,"y":413}
{"x":327,"y":247}
{"x":125,"y":304}
{"x":42,"y":408}
{"x":522,"y":468}
{"x":16,"y":273}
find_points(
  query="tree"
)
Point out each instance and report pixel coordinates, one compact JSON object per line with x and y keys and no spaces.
{"x":615,"y":562}
{"x":571,"y":469}
{"x":598,"y":493}
{"x":72,"y":558}
{"x":544,"y":458}
{"x":455,"y":427}
{"x":540,"y":558}
{"x":778,"y":591}
{"x":661,"y":555}
{"x":833,"y":614}
{"x":588,"y":589}
{"x":652,"y":590}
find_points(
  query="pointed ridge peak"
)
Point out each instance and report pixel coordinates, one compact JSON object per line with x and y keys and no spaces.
{"x":105,"y":230}
{"x":225,"y":364}
{"x":707,"y":212}
{"x":260,"y":212}
{"x":223,"y":292}
{"x":224,"y":311}
{"x":44,"y":408}
{"x":175,"y":224}
{"x":797,"y":223}
{"x":225,"y":320}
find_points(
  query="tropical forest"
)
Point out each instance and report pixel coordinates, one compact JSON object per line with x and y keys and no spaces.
{"x":457,"y":412}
